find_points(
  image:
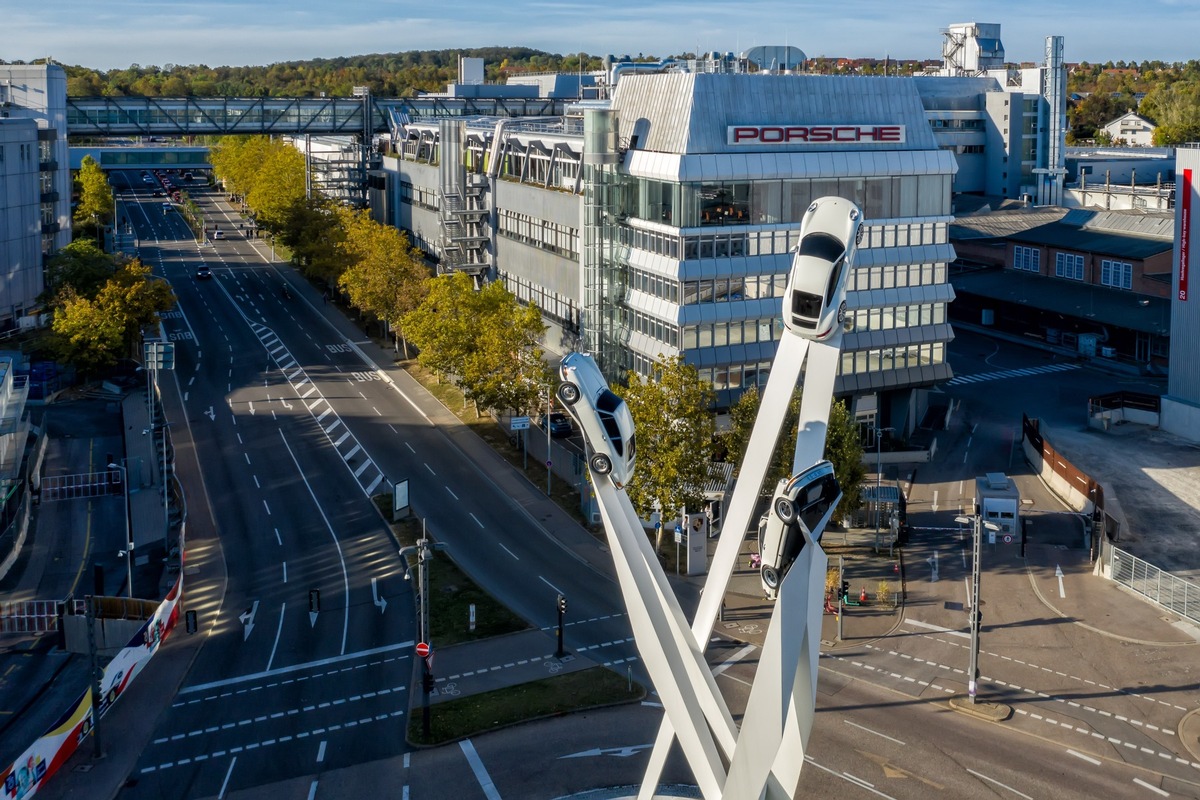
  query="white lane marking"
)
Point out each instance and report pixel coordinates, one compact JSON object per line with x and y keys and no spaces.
{"x":267,"y":507}
{"x":877,"y":733}
{"x":1088,"y":759}
{"x":225,"y":783}
{"x":998,"y":783}
{"x":835,"y":774}
{"x":733,"y":659}
{"x":937,"y":628}
{"x":285,"y":572}
{"x":451,"y":491}
{"x":257,"y":485}
{"x":548,"y":583}
{"x":333,"y":535}
{"x":279,"y":630}
{"x":321,"y":752}
{"x":1151,"y":787}
{"x":477,"y":522}
{"x":410,"y":448}
{"x":277,"y":539}
{"x":1058,"y":573}
{"x":510,"y":552}
{"x":967,"y":583}
{"x":387,"y":648}
{"x":312,"y":788}
{"x":481,"y":773}
{"x":431,"y":472}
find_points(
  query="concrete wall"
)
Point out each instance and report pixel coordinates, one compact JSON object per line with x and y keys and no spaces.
{"x":1180,"y":418}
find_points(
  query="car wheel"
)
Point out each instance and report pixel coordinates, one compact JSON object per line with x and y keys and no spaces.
{"x":770,"y":578}
{"x":784,"y":509}
{"x":568,"y":393}
{"x":841,"y":317}
{"x":601,"y":464}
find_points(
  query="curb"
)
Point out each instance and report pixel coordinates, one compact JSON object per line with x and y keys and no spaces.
{"x":1189,"y":733}
{"x":989,"y":712}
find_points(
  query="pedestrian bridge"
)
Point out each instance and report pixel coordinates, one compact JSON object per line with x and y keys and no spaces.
{"x":142,"y":156}
{"x":345,"y":116}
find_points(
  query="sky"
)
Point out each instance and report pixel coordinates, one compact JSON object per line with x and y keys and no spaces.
{"x":107,"y":34}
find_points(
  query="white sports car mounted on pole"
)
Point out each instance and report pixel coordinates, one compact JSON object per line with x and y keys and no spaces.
{"x":815,"y":299}
{"x":603,"y":417}
{"x":801,"y":504}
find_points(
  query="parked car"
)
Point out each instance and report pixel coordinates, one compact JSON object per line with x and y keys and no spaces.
{"x":800,"y":509}
{"x":815,"y":299}
{"x":559,"y":424}
{"x":203,"y":272}
{"x":603,"y":417}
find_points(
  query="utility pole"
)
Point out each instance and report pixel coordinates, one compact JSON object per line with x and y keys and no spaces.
{"x":97,"y":676}
{"x":976,"y":617}
{"x":423,"y":550}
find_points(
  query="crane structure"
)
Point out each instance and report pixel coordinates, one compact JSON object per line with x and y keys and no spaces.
{"x":766,"y":755}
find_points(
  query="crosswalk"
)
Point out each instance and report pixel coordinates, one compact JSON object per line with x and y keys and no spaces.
{"x":364,"y":469}
{"x":981,"y":377}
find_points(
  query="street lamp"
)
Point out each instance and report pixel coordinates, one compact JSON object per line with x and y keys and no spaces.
{"x":423,"y":550}
{"x":128,"y":551}
{"x":978,"y":524}
{"x":879,"y":479}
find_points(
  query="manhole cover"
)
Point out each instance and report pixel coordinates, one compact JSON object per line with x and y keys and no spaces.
{"x":83,"y":768}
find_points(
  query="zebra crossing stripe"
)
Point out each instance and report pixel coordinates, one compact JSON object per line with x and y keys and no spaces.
{"x":1010,"y":373}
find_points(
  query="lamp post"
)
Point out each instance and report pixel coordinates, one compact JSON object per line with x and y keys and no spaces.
{"x":978,"y":524}
{"x":423,"y":550}
{"x":128,"y":552}
{"x":879,"y":479}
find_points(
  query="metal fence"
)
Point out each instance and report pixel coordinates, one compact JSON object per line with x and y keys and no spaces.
{"x":1169,"y":591}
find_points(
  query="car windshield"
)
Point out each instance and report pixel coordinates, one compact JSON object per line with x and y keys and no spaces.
{"x":815,"y":499}
{"x":805,"y":305}
{"x":822,"y":245}
{"x":613,"y":431}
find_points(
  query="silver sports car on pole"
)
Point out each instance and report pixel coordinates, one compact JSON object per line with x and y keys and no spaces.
{"x":800,"y":509}
{"x":815,"y":299}
{"x":603,"y":417}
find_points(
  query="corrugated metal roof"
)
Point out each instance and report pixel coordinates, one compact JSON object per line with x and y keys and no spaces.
{"x":690,"y":112}
{"x":1071,"y":237}
{"x":1002,"y":224}
{"x":1100,"y":304}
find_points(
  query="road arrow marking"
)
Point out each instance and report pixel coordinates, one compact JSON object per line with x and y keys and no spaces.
{"x":619,"y":752}
{"x":1059,"y":574}
{"x":934,"y":506}
{"x":247,"y":618}
{"x":379,"y":601}
{"x":251,"y":404}
{"x":212,"y":415}
{"x":312,"y":618}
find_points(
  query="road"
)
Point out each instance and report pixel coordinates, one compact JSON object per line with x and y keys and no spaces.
{"x":293,"y":431}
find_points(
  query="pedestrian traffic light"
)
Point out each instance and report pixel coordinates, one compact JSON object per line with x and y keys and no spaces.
{"x":562,"y":604}
{"x":845,"y":590}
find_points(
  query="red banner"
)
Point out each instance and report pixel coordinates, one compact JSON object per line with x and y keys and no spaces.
{"x":1185,"y":229}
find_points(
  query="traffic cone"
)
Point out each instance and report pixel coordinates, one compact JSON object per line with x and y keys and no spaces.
{"x":862,"y":597}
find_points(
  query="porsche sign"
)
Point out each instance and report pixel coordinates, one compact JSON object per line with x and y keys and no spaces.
{"x":814,"y":134}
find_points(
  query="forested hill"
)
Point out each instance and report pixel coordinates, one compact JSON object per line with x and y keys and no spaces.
{"x":387,"y":74}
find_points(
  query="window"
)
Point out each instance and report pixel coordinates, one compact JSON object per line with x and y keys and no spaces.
{"x":1027,"y":258}
{"x":1117,"y":274}
{"x":1068,"y":265}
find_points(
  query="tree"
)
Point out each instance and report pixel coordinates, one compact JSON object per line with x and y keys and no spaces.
{"x":843,"y":449}
{"x":441,"y":326}
{"x":278,"y":184}
{"x":504,"y":369}
{"x":386,"y":276}
{"x":742,"y":418}
{"x":675,"y":435}
{"x":314,"y":232}
{"x":95,"y":195}
{"x":81,"y":266}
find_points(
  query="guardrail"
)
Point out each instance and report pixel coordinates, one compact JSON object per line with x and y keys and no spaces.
{"x":1173,"y":593}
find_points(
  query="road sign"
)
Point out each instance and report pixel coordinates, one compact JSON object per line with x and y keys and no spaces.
{"x":549,"y":463}
{"x":518,"y":424}
{"x":1007,"y":539}
{"x":678,"y":536}
{"x":422,"y":649}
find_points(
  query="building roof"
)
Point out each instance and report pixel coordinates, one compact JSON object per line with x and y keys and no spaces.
{"x":1100,"y":304}
{"x":687,"y":113}
{"x":1084,"y":240}
{"x":1003,"y":224}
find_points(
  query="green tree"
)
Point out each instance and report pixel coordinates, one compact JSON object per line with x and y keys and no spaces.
{"x":278,"y":184}
{"x":675,"y":434}
{"x":95,"y":196}
{"x":314,"y":231}
{"x":843,"y":449}
{"x":441,"y":326}
{"x":504,"y":368}
{"x":81,"y":266}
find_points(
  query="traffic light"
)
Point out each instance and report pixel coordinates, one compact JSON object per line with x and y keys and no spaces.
{"x":845,"y":590}
{"x":562,"y":604}
{"x":427,"y":680}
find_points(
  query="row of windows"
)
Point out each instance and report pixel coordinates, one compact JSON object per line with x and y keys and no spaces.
{"x":956,"y":124}
{"x":739,"y":376}
{"x":561,"y":309}
{"x":762,"y":287}
{"x":771,"y":243}
{"x":1028,"y":259}
{"x":540,"y":233}
{"x":1117,"y":274}
{"x":883,"y":319}
{"x":656,"y":329}
{"x":1068,"y":265}
{"x":686,"y":205}
{"x":720,"y":334}
{"x":418,"y":196}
